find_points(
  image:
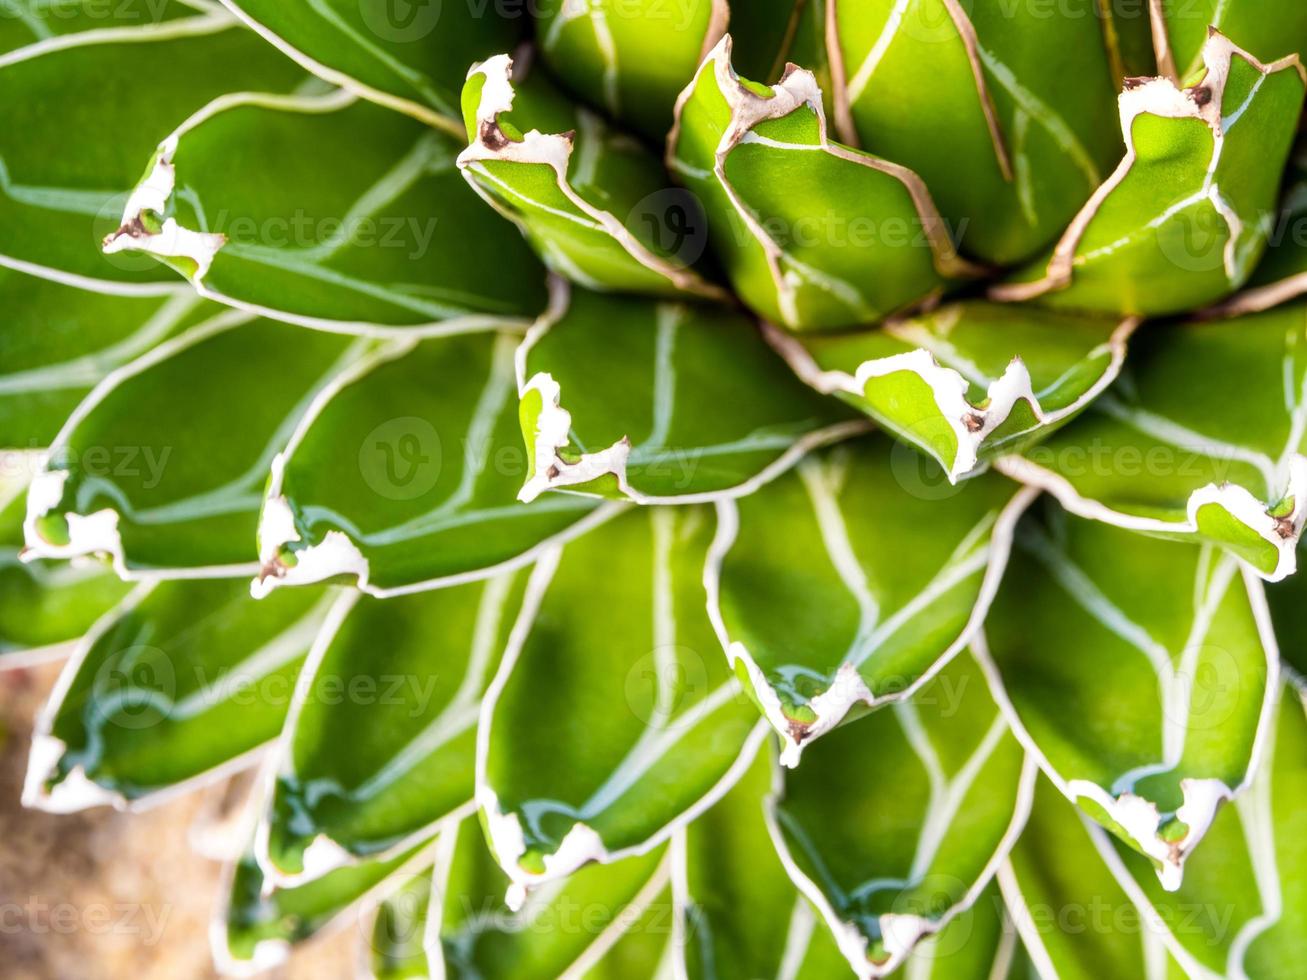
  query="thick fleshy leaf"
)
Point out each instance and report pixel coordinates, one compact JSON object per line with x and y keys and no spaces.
{"x":1139,"y":672}
{"x":187,"y":680}
{"x":381,"y":745}
{"x":595,"y":204}
{"x":377,"y":243}
{"x":976,"y":98}
{"x":623,"y":398}
{"x":397,"y":947}
{"x":1268,"y":28}
{"x":78,"y":128}
{"x":1288,"y":605}
{"x":775,"y":33}
{"x":597,"y":740}
{"x":260,"y":923}
{"x":1201,"y":439}
{"x":841,"y":586}
{"x":1281,"y":275}
{"x":60,"y":341}
{"x":1183,"y":219}
{"x":813,"y":235}
{"x":1242,"y":910}
{"x":573,"y":928}
{"x":739,"y":916}
{"x":45,"y":604}
{"x":894,"y":825}
{"x":632,"y":59}
{"x":407,"y":477}
{"x":1075,"y":920}
{"x":162,"y":466}
{"x":408,"y":57}
{"x":968,"y":382}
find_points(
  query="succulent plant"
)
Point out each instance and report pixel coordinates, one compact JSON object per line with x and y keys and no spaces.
{"x":674,"y":487}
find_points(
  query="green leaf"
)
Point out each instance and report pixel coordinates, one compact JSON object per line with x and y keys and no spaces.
{"x":409,"y":58}
{"x":1139,"y":672}
{"x":1074,"y":918}
{"x":376,"y":244}
{"x":1184,"y":217}
{"x":61,"y":341}
{"x":1242,"y":910}
{"x":977,"y":99}
{"x":1200,"y":439}
{"x":1269,"y":29}
{"x":186,"y":681}
{"x":604,"y":215}
{"x":399,"y":932}
{"x":598,"y":740}
{"x":80,"y":114}
{"x":894,"y":825}
{"x":739,"y":915}
{"x":381,"y":744}
{"x":842,"y":587}
{"x":813,"y":235}
{"x":45,"y":605}
{"x":162,"y":466}
{"x":631,"y":59}
{"x":968,"y":382}
{"x":24,"y":22}
{"x":403,"y":484}
{"x":261,"y":923}
{"x":623,"y":398}
{"x":1281,"y":275}
{"x":572,"y":929}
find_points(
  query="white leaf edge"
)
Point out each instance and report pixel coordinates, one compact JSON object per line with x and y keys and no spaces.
{"x":1202,"y":797}
{"x":581,"y":844}
{"x":553,"y":151}
{"x":848,"y":688}
{"x":1238,"y":502}
{"x":552,"y":472}
{"x":156,"y":191}
{"x":1162,"y":97}
{"x":902,"y":932}
{"x":970,"y":424}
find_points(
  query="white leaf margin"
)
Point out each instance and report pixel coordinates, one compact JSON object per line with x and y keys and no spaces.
{"x":848,"y":688}
{"x":971,"y":424}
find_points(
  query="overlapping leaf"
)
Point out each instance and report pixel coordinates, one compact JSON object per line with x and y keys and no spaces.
{"x":24,"y":22}
{"x":597,"y":740}
{"x":631,"y":59}
{"x":623,"y":398}
{"x":376,"y":243}
{"x":410,"y":58}
{"x":812,"y":234}
{"x":1242,"y":910}
{"x":1074,"y":918}
{"x":381,"y":745}
{"x":78,"y":128}
{"x":829,"y":598}
{"x":45,"y":605}
{"x":1202,"y":438}
{"x":187,"y":680}
{"x":407,"y":477}
{"x":968,"y":382}
{"x":1269,"y":29}
{"x":893,"y":826}
{"x":162,"y":466}
{"x":595,"y":204}
{"x":568,"y":929}
{"x":260,"y":923}
{"x":1139,"y":672}
{"x":1185,"y":216}
{"x":1025,"y":145}
{"x":399,"y":932}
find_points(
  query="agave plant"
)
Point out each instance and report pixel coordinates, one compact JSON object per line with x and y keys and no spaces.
{"x":775,"y":489}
